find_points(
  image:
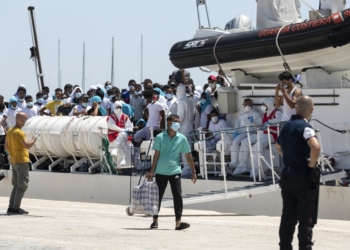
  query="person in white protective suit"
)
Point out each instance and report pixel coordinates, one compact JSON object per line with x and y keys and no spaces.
{"x":185,"y":109}
{"x":271,"y":116}
{"x":249,"y":117}
{"x":119,"y":125}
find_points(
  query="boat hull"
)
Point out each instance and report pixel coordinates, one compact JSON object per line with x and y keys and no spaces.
{"x":327,"y":35}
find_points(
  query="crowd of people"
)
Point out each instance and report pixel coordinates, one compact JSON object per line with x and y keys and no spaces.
{"x":147,"y":105}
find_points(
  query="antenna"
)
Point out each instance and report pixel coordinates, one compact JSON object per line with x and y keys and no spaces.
{"x":202,"y":2}
{"x":59,"y":72}
{"x":112,"y":70}
{"x":83,"y":80}
{"x":141,"y":58}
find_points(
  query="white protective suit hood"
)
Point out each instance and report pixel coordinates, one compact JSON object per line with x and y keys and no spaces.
{"x":270,"y":103}
{"x":118,"y":112}
{"x":181,"y":91}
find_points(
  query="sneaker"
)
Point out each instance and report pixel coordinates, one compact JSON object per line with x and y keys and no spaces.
{"x":17,"y":211}
{"x":22,"y":211}
{"x":10,"y":210}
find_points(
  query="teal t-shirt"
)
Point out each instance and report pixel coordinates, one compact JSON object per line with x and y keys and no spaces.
{"x":170,"y":149}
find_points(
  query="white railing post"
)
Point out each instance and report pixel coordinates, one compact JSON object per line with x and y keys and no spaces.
{"x":223,"y":160}
{"x":205,"y":161}
{"x":271,"y":157}
{"x":259,"y":154}
{"x":251,"y":153}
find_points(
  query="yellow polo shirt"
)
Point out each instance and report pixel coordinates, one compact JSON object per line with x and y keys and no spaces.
{"x":53,"y":106}
{"x":18,"y":153}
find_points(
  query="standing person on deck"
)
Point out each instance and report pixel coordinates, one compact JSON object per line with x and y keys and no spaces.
{"x":289,"y":97}
{"x":17,"y":146}
{"x":166,"y":167}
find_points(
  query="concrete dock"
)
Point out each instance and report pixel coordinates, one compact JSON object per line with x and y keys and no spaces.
{"x":76,"y":225}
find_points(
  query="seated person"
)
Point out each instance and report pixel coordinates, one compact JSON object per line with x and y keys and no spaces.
{"x":66,"y":107}
{"x":216,"y":125}
{"x":30,"y":110}
{"x":119,"y":125}
{"x":75,"y":96}
{"x":96,"y":109}
{"x":155,"y":116}
{"x":249,"y":117}
{"x":53,"y":105}
{"x":271,"y":116}
{"x":204,"y":108}
{"x":81,"y":109}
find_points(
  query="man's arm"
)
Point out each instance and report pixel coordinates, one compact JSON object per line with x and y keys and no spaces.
{"x":162,"y":122}
{"x":145,"y":114}
{"x":291,"y":102}
{"x":315,"y":151}
{"x":42,"y":111}
{"x":26,"y":144}
{"x":279,"y":149}
{"x":191,"y":163}
{"x":3,"y":120}
{"x":150,"y":174}
{"x":278,"y":99}
{"x":6,"y":146}
{"x":95,"y":112}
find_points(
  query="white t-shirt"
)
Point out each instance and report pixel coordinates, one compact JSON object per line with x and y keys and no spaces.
{"x":171,"y":102}
{"x":106,"y":103}
{"x":217,"y":127}
{"x":154,"y":115}
{"x":11,"y":116}
{"x":34,"y":111}
{"x":79,"y":108}
{"x":204,"y":118}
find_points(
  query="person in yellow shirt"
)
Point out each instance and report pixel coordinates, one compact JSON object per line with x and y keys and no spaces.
{"x":17,"y":146}
{"x":53,"y":105}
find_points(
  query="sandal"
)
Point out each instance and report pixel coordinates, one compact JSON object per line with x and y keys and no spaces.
{"x":183,"y":225}
{"x":154,"y":225}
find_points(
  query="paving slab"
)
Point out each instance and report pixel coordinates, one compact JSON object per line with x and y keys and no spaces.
{"x":75,"y":225}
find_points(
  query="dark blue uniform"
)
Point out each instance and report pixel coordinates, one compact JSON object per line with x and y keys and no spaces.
{"x":299,"y":194}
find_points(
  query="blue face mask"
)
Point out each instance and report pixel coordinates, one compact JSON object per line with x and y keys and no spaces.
{"x":40,"y":100}
{"x":108,"y":87}
{"x":218,"y":85}
{"x":131,"y":86}
{"x":138,"y":92}
{"x":111,"y":97}
{"x":20,"y":100}
{"x":30,"y":104}
{"x":1,"y":113}
{"x":84,"y":104}
{"x":44,"y":96}
{"x":169,"y":96}
{"x":175,"y":126}
{"x":13,"y":107}
{"x":203,"y":101}
{"x":77,"y":95}
{"x":64,"y":101}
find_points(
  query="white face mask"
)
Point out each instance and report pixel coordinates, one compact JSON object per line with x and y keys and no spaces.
{"x":211,"y":85}
{"x":247,"y":108}
{"x":215,"y":119}
{"x":117,"y":111}
{"x":263,"y":108}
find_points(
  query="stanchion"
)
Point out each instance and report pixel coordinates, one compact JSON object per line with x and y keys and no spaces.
{"x":223,"y":160}
{"x":251,"y":153}
{"x":271,"y":157}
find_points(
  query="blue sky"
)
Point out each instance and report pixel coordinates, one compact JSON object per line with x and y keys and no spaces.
{"x":162,"y":22}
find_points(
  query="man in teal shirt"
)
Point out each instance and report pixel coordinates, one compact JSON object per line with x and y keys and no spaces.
{"x":166,"y":166}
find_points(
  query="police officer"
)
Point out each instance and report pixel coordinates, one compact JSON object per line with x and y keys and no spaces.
{"x":300,"y":149}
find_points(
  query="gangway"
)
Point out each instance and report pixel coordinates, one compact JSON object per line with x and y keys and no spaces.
{"x":246,"y":191}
